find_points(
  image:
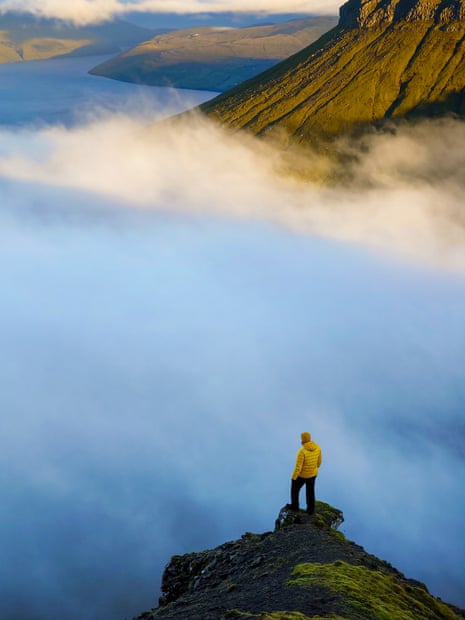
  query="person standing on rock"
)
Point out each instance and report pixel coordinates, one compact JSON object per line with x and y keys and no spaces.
{"x":305,"y":472}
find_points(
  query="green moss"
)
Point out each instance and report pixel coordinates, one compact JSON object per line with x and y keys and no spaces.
{"x":235,"y":614}
{"x":296,"y":615}
{"x":326,"y":516}
{"x":285,"y":615}
{"x":338,"y":535}
{"x":371,"y":594}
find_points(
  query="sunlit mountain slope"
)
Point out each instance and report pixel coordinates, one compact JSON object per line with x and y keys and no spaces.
{"x":385,"y":59}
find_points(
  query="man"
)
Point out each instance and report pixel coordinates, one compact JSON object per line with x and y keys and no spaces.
{"x":305,"y":472}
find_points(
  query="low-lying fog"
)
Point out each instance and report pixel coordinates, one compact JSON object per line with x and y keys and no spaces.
{"x":174,"y":314}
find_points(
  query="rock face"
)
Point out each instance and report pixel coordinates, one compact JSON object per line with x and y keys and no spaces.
{"x":326,"y":517}
{"x":374,"y":13}
{"x":385,"y":59}
{"x":304,"y":569}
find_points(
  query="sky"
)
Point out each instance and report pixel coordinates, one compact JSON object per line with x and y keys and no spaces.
{"x":90,"y":11}
{"x":177,"y":309}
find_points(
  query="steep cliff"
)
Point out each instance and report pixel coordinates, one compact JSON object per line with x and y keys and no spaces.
{"x":304,"y":569}
{"x":385,"y":59}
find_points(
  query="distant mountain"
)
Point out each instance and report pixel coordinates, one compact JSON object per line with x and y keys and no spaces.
{"x":385,"y":59}
{"x":304,"y":569}
{"x":233,"y":19}
{"x":24,"y":37}
{"x":212,"y":58}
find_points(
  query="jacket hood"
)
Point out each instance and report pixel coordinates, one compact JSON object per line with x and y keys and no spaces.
{"x":310,"y":445}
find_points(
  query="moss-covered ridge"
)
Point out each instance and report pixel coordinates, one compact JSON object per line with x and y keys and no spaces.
{"x":363,"y":594}
{"x":385,"y":59}
{"x":304,"y":569}
{"x":372,"y":594}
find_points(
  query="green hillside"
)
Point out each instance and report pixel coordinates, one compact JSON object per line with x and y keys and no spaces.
{"x":383,"y":60}
{"x":212,"y":58}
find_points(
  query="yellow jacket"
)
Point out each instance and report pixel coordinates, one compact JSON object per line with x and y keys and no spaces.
{"x":307,"y":461}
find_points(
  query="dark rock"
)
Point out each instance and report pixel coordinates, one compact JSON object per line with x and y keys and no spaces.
{"x":325,"y":516}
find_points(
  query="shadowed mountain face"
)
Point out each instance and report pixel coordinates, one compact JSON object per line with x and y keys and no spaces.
{"x":212,"y":58}
{"x":385,"y":59}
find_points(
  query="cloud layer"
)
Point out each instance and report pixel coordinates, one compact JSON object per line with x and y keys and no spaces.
{"x":88,"y":11}
{"x":158,"y":368}
{"x":177,"y":308}
{"x":403,"y":194}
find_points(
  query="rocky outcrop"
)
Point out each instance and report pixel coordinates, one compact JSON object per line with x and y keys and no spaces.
{"x":375,"y":13}
{"x":325,"y":517}
{"x":304,"y":568}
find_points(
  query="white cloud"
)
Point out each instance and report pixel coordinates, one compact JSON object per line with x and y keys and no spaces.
{"x":87,"y":11}
{"x":405,"y":193}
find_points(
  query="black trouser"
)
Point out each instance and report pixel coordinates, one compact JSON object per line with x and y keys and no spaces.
{"x":296,"y":485}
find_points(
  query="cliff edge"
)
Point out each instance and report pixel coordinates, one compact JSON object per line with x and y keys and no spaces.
{"x":304,"y":569}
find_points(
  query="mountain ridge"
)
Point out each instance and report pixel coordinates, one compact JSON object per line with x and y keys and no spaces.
{"x":212,"y":58}
{"x":24,"y":37}
{"x":304,"y":569}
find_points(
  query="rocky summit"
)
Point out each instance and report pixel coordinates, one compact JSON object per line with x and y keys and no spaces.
{"x":304,"y":569}
{"x":385,"y":59}
{"x":375,"y":13}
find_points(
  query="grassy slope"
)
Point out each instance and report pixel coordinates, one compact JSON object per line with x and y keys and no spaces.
{"x":353,"y":76}
{"x":212,"y":58}
{"x":37,"y":48}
